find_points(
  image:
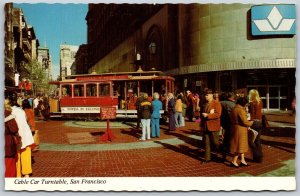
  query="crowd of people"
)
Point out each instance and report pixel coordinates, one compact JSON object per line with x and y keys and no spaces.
{"x":21,"y":135}
{"x":225,"y":121}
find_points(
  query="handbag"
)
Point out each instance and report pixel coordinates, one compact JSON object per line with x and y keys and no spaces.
{"x":252,"y":134}
{"x":16,"y":138}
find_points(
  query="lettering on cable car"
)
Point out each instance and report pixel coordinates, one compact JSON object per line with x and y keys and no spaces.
{"x":108,"y":113}
{"x":80,"y":110}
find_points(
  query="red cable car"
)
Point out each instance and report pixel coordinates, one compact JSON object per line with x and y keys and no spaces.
{"x":82,"y":96}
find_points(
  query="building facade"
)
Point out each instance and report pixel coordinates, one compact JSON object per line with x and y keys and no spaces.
{"x":44,"y":60}
{"x":67,"y":58}
{"x":21,"y":45}
{"x":80,"y":65}
{"x":202,"y":46}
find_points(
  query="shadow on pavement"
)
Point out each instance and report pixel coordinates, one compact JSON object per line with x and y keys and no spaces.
{"x":188,"y":140}
{"x":193,"y":153}
{"x":280,"y":132}
{"x":280,"y":145}
{"x":131,"y":124}
{"x":98,"y":133}
{"x":132,"y":132}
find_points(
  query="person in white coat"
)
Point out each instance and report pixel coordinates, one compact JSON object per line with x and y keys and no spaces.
{"x":24,"y":166}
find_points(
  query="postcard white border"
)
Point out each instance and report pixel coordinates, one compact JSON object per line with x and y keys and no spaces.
{"x":152,"y":184}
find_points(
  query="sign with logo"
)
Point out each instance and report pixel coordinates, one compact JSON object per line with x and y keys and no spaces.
{"x":108,"y":113}
{"x":273,"y":19}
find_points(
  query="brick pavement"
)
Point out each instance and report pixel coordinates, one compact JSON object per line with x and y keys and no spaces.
{"x":176,"y":153}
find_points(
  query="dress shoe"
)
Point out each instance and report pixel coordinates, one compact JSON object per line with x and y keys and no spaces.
{"x":233,"y":165}
{"x":244,"y":165}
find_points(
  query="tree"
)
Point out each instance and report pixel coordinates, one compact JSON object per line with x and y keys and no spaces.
{"x":38,"y":76}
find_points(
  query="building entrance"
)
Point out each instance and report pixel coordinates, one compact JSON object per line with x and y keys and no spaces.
{"x":274,"y":97}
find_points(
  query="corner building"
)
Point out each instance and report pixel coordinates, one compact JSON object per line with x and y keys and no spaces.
{"x":201,"y":45}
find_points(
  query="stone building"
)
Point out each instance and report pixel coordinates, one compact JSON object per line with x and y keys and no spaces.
{"x":67,"y":58}
{"x":201,"y":45}
{"x":44,"y":60}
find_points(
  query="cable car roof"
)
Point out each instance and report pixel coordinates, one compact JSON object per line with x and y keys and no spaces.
{"x":137,"y":73}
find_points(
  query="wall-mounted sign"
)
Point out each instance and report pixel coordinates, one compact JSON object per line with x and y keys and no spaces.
{"x":198,"y":83}
{"x":273,"y":19}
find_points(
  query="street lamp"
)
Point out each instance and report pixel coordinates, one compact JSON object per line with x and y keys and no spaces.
{"x":17,"y":75}
{"x":152,"y":51}
{"x":139,"y":62}
{"x":152,"y":48}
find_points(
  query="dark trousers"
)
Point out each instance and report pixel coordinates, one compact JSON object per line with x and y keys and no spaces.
{"x":190,"y":113}
{"x":211,"y":139}
{"x":225,"y":148}
{"x":256,"y":145}
{"x":36,"y":112}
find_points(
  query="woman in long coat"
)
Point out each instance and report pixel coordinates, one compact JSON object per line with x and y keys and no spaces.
{"x":239,"y":128}
{"x":171,"y":110}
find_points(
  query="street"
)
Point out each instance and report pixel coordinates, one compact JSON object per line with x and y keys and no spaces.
{"x":74,"y":149}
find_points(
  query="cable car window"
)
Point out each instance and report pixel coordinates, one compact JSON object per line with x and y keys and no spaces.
{"x":104,"y":90}
{"x":91,"y":90}
{"x":66,"y":90}
{"x":146,"y":87}
{"x":78,"y":90}
{"x":132,"y":88}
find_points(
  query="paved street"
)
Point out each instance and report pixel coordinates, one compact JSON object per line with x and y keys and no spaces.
{"x":74,"y":149}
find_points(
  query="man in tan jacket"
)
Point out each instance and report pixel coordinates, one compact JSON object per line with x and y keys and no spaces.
{"x":210,"y":124}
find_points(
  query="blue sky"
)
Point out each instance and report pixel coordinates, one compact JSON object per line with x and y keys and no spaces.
{"x":56,"y":24}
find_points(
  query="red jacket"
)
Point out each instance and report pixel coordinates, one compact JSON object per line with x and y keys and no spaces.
{"x":212,"y":121}
{"x":11,"y":128}
{"x":255,"y":109}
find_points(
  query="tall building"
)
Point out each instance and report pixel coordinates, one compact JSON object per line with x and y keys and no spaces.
{"x":80,"y":65}
{"x":201,"y":45}
{"x":67,"y":58}
{"x":20,"y":44}
{"x":44,"y":60}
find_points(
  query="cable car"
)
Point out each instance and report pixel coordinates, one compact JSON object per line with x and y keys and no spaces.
{"x":82,"y":96}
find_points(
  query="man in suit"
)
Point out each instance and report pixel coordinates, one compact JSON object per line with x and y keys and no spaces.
{"x":210,"y":124}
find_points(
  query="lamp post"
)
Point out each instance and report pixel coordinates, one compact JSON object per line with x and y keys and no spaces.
{"x":152,"y":51}
{"x":139,"y":62}
{"x":17,"y":78}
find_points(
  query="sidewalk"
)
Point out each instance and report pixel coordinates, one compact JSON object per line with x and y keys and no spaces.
{"x":74,"y":149}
